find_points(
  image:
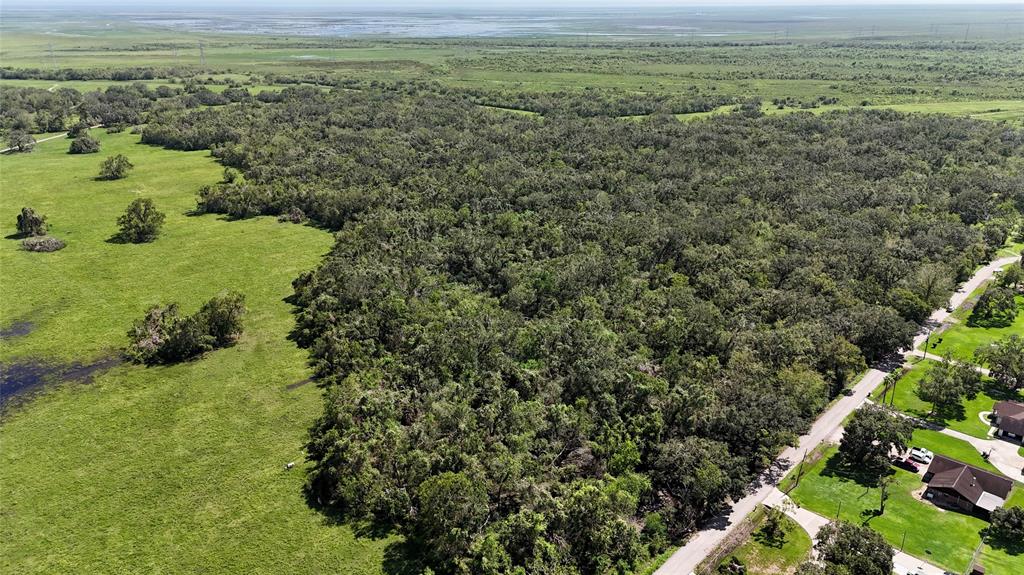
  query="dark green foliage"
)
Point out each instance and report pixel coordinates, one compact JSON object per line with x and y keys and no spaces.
{"x":601,"y":329}
{"x":84,"y":144}
{"x":1007,"y":529}
{"x":222,"y":318}
{"x":78,"y":130}
{"x":140,"y":222}
{"x":20,"y":141}
{"x":115,"y":167}
{"x":947,"y":383}
{"x":848,"y":549}
{"x":1005,"y":360}
{"x":871,"y":435}
{"x":165,"y":336}
{"x":997,"y":307}
{"x":30,"y":223}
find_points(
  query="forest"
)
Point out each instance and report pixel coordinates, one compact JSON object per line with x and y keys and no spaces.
{"x":554,"y":344}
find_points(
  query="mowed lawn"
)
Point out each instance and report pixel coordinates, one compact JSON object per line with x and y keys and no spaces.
{"x":764,"y":555}
{"x":967,"y":419}
{"x":961,"y":340}
{"x":944,"y":538}
{"x":174,"y":469}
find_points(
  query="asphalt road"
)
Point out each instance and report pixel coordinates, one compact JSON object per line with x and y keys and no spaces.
{"x":686,"y":559}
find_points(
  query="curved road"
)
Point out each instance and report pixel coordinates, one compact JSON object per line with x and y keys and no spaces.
{"x":687,"y":558}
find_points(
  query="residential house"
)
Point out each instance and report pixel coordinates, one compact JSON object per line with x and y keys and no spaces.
{"x":952,"y":483}
{"x":1008,"y":418}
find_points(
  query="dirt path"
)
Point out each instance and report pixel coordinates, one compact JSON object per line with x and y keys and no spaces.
{"x":64,"y":135}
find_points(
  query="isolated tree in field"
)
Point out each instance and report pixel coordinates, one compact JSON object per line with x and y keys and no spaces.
{"x":30,"y":223}
{"x":997,"y":307}
{"x":853,"y":550}
{"x":84,"y":144}
{"x":140,"y":222}
{"x":221,"y":317}
{"x":947,"y":383}
{"x":163,"y":335}
{"x":1005,"y":360}
{"x":871,"y":435}
{"x":20,"y":141}
{"x":115,"y":167}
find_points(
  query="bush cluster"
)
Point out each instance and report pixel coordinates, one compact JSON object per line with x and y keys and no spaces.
{"x":166,"y":336}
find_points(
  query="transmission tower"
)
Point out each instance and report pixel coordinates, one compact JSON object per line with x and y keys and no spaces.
{"x":53,"y":59}
{"x":202,"y":56}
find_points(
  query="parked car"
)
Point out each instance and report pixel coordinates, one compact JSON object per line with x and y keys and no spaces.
{"x":908,"y":464}
{"x":921,"y":455}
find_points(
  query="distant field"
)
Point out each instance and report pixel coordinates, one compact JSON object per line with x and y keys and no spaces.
{"x":175,"y":469}
{"x":914,"y":73}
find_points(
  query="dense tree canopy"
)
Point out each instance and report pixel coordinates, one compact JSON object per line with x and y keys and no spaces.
{"x":871,"y":435}
{"x":553,"y":343}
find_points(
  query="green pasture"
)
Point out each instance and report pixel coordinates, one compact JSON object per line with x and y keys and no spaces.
{"x":174,"y":469}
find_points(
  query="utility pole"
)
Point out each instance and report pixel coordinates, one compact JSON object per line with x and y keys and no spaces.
{"x":966,"y":32}
{"x":202,"y":55}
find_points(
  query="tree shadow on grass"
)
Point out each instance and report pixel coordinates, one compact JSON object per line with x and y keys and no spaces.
{"x":1007,"y":545}
{"x":400,"y":557}
{"x":767,"y":538}
{"x":837,"y":467}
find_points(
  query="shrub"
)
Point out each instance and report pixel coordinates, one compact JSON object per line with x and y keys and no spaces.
{"x":140,"y":222}
{"x":222,"y":317}
{"x":84,"y":144}
{"x":30,"y":223}
{"x":20,"y":141}
{"x":163,"y":335}
{"x":115,"y":167}
{"x":78,"y":130}
{"x":42,"y":244}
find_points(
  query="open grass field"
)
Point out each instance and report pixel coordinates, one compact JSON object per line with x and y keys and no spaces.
{"x":961,"y":340}
{"x":176,"y":469}
{"x":765,"y":555}
{"x":922,"y":70}
{"x":945,"y":538}
{"x":966,"y":420}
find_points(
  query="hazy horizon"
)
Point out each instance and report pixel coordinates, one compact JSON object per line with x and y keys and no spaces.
{"x":470,"y":5}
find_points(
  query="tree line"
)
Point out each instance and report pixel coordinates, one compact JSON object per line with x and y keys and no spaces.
{"x":556,"y":345}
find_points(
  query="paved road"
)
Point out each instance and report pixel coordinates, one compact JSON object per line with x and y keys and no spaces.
{"x":686,"y":559}
{"x":829,"y":426}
